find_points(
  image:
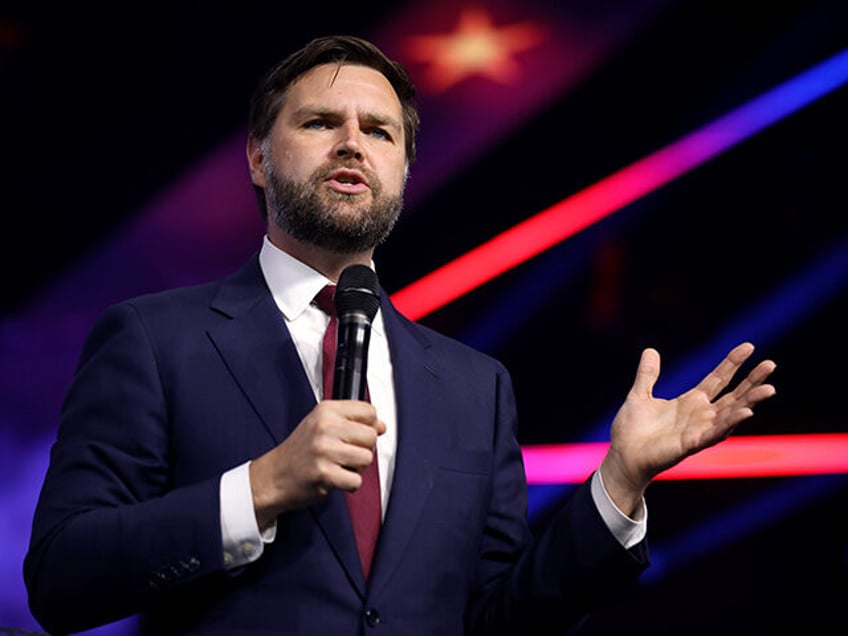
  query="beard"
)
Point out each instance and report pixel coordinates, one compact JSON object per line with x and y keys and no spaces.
{"x":331,"y":220}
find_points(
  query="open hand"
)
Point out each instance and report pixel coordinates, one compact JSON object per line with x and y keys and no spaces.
{"x":649,"y":435}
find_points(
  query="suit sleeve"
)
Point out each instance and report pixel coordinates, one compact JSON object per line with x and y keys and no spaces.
{"x":110,"y":532}
{"x":530,"y":584}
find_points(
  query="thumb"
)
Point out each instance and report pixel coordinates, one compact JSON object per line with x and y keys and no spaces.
{"x":646,"y":374}
{"x":380,"y":426}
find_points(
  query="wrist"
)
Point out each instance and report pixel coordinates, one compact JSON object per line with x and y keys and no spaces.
{"x":626,"y":493}
{"x":260,"y":486}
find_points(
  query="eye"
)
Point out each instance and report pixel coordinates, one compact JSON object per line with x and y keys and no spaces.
{"x":379,"y":133}
{"x":316,"y":124}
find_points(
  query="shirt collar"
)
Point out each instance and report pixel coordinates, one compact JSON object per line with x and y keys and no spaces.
{"x":294,"y":284}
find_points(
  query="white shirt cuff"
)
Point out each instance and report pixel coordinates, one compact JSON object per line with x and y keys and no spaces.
{"x":627,"y":531}
{"x":242,"y":541}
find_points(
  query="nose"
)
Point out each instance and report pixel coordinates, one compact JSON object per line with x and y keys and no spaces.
{"x":348,"y":144}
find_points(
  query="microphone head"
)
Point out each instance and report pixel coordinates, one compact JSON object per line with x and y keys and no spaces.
{"x":357,"y":292}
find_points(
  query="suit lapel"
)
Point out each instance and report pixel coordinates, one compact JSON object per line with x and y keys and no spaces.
{"x":418,"y":419}
{"x":258,"y":350}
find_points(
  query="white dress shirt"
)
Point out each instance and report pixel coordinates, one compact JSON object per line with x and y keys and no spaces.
{"x":294,"y":285}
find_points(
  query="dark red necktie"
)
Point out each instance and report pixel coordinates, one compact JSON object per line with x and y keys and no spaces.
{"x":364,"y":504}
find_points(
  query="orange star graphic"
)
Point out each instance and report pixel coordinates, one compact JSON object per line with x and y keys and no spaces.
{"x":476,"y":47}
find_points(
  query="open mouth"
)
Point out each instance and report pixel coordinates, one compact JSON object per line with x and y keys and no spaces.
{"x":347,"y":181}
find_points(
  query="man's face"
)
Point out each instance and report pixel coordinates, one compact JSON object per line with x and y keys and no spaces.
{"x":334,"y":165}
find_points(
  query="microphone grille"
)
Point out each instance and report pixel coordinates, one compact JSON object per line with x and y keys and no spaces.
{"x":357,"y":292}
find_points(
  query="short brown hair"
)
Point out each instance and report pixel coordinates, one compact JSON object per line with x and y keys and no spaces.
{"x":268,"y":98}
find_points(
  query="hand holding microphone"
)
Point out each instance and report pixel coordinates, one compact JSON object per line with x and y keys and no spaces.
{"x":335,"y":442}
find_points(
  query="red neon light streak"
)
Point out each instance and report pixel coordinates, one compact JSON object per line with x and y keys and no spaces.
{"x":542,"y":231}
{"x":575,"y":213}
{"x":736,"y":457}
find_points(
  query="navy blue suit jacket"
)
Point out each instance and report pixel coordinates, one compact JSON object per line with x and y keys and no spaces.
{"x":172,"y":389}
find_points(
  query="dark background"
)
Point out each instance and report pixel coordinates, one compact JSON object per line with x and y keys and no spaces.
{"x":106,"y":107}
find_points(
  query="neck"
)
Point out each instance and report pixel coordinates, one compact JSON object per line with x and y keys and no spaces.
{"x":330,"y":264}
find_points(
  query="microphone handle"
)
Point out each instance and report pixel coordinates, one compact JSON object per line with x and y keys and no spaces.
{"x":351,"y":369}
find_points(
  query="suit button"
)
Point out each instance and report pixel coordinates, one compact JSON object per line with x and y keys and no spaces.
{"x":372,"y":617}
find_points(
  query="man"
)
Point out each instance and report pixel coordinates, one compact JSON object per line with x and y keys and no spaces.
{"x":201,"y":477}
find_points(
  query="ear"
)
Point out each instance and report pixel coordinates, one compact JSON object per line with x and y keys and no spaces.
{"x":256,"y":161}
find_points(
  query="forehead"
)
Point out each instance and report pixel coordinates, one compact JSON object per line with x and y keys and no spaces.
{"x":343,"y":87}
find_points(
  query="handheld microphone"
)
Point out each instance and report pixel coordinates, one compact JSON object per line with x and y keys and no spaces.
{"x":357,"y":300}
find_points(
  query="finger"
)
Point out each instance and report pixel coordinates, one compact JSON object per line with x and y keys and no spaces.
{"x":356,"y":458}
{"x":358,"y":461}
{"x":715,"y":382}
{"x":760,"y":393}
{"x":754,"y":379}
{"x":358,"y":434}
{"x":366,"y":413}
{"x":646,"y":374}
{"x":380,"y":427}
{"x":356,"y":410}
{"x":731,"y":407}
{"x":735,"y":418}
{"x":346,"y":478}
{"x":753,"y":397}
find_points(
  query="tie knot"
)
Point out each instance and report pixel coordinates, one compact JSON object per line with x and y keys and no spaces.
{"x":324,"y":299}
